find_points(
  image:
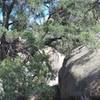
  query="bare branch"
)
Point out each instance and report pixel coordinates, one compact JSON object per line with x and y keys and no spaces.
{"x":1,"y":22}
{"x":13,"y":22}
{"x":11,"y":6}
{"x":7,"y":9}
{"x":50,"y":40}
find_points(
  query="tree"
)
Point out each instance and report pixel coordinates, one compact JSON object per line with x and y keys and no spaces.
{"x":64,"y":25}
{"x":73,"y":22}
{"x":19,"y":76}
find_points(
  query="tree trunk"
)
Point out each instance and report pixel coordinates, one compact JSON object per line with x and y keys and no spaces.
{"x":6,"y":21}
{"x":7,"y":9}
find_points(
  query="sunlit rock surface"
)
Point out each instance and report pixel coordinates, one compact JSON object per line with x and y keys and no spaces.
{"x":56,"y":61}
{"x":80,"y":74}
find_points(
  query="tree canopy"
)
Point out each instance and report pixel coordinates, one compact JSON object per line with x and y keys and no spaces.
{"x":27,"y":26}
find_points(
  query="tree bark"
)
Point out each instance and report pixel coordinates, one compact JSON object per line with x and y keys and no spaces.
{"x":7,"y":9}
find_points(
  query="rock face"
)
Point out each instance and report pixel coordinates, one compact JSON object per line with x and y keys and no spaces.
{"x":56,"y":61}
{"x":55,"y":57}
{"x":79,"y":77}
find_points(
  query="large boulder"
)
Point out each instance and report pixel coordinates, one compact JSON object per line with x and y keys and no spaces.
{"x":56,"y":61}
{"x":79,"y":77}
{"x":55,"y":58}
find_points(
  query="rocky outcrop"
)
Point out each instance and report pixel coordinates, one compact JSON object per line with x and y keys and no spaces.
{"x":56,"y":61}
{"x":79,"y":77}
{"x":55,"y":58}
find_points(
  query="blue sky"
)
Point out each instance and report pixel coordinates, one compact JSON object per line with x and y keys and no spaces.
{"x":39,"y":20}
{"x":0,"y":15}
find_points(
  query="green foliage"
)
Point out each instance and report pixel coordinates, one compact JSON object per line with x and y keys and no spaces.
{"x":73,"y":22}
{"x":45,"y":92}
{"x":36,"y":3}
{"x":18,"y":78}
{"x":96,"y":28}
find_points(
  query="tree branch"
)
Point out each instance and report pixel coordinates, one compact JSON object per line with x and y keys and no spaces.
{"x":50,"y":40}
{"x":7,"y":9}
{"x":1,"y":22}
{"x":11,"y":6}
{"x":13,"y":22}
